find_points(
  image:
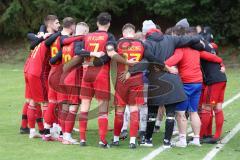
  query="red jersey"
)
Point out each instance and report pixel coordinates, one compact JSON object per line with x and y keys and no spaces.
{"x":55,"y":47}
{"x":130,"y":49}
{"x":38,"y":63}
{"x":26,"y":64}
{"x":96,"y":42}
{"x":67,"y":53}
{"x":188,"y":62}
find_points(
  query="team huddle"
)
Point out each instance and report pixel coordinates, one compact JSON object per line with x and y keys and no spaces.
{"x":177,"y":73}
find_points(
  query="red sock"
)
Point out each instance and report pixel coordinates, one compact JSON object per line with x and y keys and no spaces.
{"x":70,"y":121}
{"x":31,"y":117}
{"x":83,"y":119}
{"x":59,"y":113}
{"x":62,"y":118}
{"x":39,"y":119}
{"x":103,"y":126}
{"x":134,"y":123}
{"x":209,"y":129}
{"x":118,"y":123}
{"x":44,"y":109}
{"x":24,"y":115}
{"x":49,"y":115}
{"x":219,"y":119}
{"x":205,"y":120}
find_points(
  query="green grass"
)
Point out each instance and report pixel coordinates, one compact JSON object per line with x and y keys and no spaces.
{"x":16,"y":146}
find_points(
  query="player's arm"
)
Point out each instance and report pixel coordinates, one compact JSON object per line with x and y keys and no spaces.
{"x":185,"y":41}
{"x":114,"y":55}
{"x":52,"y":38}
{"x":111,"y":52}
{"x":139,"y":67}
{"x":34,"y":40}
{"x":56,"y":58}
{"x":70,"y":40}
{"x":210,"y":57}
{"x":102,"y":57}
{"x":101,"y":61}
{"x":175,"y":58}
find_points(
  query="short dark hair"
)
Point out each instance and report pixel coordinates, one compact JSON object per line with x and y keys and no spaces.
{"x":169,"y":31}
{"x":104,"y":18}
{"x":191,"y":30}
{"x":68,"y":22}
{"x":128,"y":25}
{"x":179,"y":30}
{"x":49,"y":18}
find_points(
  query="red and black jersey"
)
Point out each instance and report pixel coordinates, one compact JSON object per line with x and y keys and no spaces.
{"x":68,"y":49}
{"x":96,"y":42}
{"x":38,"y":63}
{"x":129,"y":48}
{"x":55,"y":47}
{"x":67,"y":53}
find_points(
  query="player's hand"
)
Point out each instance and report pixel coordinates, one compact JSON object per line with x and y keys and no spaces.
{"x":131,"y":62}
{"x":172,"y":69}
{"x":46,"y":35}
{"x":97,"y":54}
{"x":87,"y":64}
{"x":124,"y":76}
{"x":40,"y":34}
{"x":223,"y":69}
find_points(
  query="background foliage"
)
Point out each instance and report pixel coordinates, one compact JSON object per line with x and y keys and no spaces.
{"x":21,"y":16}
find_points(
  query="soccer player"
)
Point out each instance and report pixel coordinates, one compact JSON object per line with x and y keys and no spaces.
{"x":96,"y":80}
{"x":37,"y":75}
{"x":212,"y":98}
{"x":24,"y":123}
{"x":56,"y":42}
{"x":72,"y":79}
{"x":129,"y":92}
{"x":188,"y":62}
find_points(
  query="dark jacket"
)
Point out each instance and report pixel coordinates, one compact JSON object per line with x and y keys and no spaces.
{"x":211,"y":71}
{"x":166,"y":88}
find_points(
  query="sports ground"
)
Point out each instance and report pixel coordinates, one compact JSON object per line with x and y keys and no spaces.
{"x":16,"y":146}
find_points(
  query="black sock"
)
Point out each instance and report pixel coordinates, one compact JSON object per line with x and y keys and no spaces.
{"x":169,"y":125}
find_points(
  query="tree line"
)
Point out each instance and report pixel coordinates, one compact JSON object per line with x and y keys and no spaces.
{"x":21,"y":16}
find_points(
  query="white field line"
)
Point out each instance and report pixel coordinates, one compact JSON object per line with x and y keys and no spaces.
{"x":160,"y":149}
{"x":210,"y":155}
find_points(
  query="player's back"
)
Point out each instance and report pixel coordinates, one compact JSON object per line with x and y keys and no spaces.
{"x":129,"y":48}
{"x":189,"y":66}
{"x":38,"y":63}
{"x":96,"y":42}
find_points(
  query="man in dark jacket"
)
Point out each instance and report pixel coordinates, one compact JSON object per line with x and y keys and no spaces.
{"x":164,"y":88}
{"x":212,"y":98}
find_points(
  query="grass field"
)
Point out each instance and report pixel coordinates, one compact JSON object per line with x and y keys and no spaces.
{"x":14,"y":146}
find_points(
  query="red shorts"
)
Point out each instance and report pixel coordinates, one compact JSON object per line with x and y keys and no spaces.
{"x":27,"y":88}
{"x":129,"y":93}
{"x":52,"y":93}
{"x":95,"y":83}
{"x":38,"y":88}
{"x":71,"y":87}
{"x":213,"y":94}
